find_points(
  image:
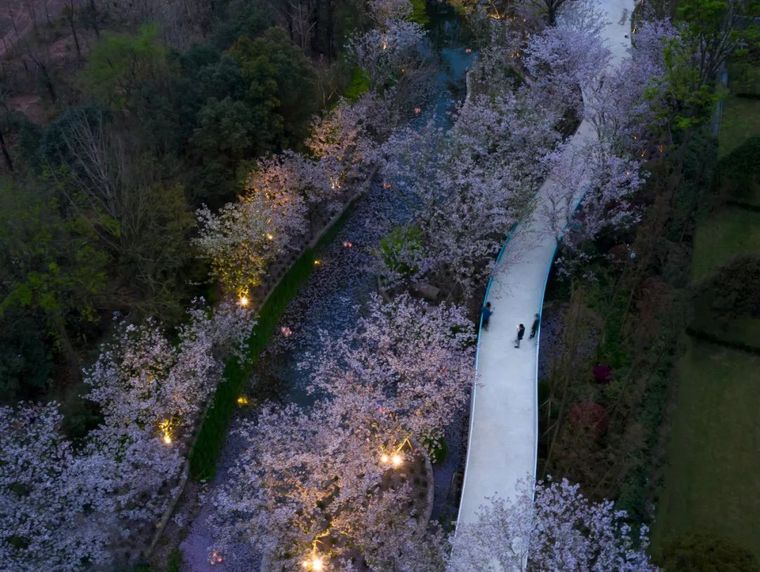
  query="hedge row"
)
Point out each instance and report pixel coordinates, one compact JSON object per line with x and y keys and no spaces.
{"x":712,"y":338}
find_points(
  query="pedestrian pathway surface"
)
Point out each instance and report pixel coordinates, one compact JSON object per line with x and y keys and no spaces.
{"x":504,"y":418}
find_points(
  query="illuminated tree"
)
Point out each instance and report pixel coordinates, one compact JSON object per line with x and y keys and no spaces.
{"x":244,"y":237}
{"x":142,"y":380}
{"x":66,"y":511}
{"x":384,"y":53}
{"x":311,"y":485}
{"x":412,"y":361}
{"x":344,"y":140}
{"x":551,"y":527}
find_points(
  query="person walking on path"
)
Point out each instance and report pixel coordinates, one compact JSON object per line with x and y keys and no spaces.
{"x":534,"y":327}
{"x":485,"y":315}
{"x":520,"y":334}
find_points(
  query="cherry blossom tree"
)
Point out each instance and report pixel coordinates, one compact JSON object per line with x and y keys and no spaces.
{"x":412,"y":361}
{"x":243,"y":238}
{"x":590,"y":190}
{"x":627,"y":105}
{"x":142,"y":380}
{"x":472,"y":184}
{"x":385,"y":52}
{"x":67,"y":510}
{"x":345,"y":139}
{"x":311,"y":484}
{"x":330,"y":480}
{"x":42,"y":516}
{"x":136,"y":472}
{"x":561,"y":59}
{"x":554,"y":527}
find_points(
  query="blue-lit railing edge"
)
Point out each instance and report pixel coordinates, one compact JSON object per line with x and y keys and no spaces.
{"x":503,"y":248}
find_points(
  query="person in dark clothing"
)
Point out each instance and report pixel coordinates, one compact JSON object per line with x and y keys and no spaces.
{"x":485,"y":315}
{"x":534,"y":327}
{"x":520,"y":334}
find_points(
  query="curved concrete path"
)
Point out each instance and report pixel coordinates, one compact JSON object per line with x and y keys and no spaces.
{"x":503,"y":437}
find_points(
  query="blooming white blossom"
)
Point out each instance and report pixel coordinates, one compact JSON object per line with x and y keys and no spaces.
{"x":554,"y":527}
{"x":311,"y":482}
{"x":471,"y":184}
{"x":65,"y":510}
{"x":409,"y":361}
{"x":142,"y":380}
{"x":345,"y":138}
{"x":384,"y":53}
{"x":561,"y":59}
{"x":625,"y":105}
{"x":244,"y":237}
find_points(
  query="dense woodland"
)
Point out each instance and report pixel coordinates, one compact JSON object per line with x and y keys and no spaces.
{"x":117,"y":123}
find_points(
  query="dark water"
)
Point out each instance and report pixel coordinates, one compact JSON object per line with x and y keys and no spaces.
{"x":331,"y":300}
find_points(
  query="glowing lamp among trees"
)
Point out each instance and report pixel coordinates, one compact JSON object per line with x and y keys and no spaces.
{"x":165,"y":427}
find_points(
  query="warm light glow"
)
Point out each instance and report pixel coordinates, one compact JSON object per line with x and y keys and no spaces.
{"x":385,"y":459}
{"x":215,"y":558}
{"x":314,"y":563}
{"x":270,"y":236}
{"x":386,"y":185}
{"x":317,"y":262}
{"x":242,"y":400}
{"x":165,"y":427}
{"x":396,"y":460}
{"x":417,"y":110}
{"x":347,"y":244}
{"x":285,"y":331}
{"x":244,"y":301}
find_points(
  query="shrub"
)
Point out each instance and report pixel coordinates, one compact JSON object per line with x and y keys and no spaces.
{"x":702,"y":552}
{"x":732,"y":291}
{"x":739,"y":171}
{"x":437,"y":449}
{"x":400,"y":248}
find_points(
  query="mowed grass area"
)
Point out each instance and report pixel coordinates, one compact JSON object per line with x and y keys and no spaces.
{"x":727,"y":233}
{"x":712,"y":482}
{"x":741,"y":120}
{"x":712,"y":479}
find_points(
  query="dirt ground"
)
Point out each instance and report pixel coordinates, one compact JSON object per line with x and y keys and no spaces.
{"x":18,"y":17}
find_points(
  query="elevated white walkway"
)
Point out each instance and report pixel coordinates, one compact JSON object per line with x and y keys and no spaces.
{"x":503,"y":425}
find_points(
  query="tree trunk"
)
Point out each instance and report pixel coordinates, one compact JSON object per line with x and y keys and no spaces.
{"x":47,"y":80}
{"x":72,"y":24}
{"x":6,"y":155}
{"x":330,"y":32}
{"x":63,"y":341}
{"x":94,"y":18}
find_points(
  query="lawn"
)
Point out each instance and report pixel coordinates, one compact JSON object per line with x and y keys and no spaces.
{"x":727,"y":233}
{"x":712,"y":480}
{"x":713,"y":477}
{"x":741,"y":120}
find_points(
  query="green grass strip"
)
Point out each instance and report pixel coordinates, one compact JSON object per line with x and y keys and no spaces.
{"x":215,"y":424}
{"x":214,"y":427}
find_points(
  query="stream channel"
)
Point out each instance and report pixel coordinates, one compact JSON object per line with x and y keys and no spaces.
{"x":332,"y":299}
